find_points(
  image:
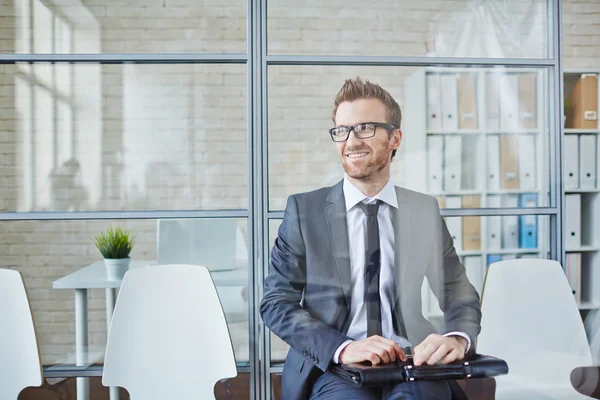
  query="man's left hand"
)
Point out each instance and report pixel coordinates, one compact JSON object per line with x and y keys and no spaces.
{"x":437,"y":348}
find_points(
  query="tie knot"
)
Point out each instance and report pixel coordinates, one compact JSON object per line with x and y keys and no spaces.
{"x":370,"y":209}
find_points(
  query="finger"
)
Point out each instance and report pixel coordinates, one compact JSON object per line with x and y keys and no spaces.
{"x":424,"y":353}
{"x":373,"y":357}
{"x":389,"y":348}
{"x":441,"y":352}
{"x":454,"y":355}
{"x":381,"y":353}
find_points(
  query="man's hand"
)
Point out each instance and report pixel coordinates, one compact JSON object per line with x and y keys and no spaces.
{"x":376,"y":349}
{"x":438,"y":348}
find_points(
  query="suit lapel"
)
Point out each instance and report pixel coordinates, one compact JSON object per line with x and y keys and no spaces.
{"x":402,"y":251}
{"x":335,"y":214}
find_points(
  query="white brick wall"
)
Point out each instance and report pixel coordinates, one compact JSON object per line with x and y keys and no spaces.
{"x":161,"y":112}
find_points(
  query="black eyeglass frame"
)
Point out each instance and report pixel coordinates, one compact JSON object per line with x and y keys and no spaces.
{"x":352,"y":128}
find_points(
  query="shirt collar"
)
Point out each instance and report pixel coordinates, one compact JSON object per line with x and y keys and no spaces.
{"x":354,"y":196}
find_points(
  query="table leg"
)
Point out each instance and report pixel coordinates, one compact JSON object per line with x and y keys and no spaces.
{"x":81,"y":340}
{"x":111,"y":297}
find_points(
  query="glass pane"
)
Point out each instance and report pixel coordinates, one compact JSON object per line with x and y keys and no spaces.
{"x":125,"y":137}
{"x":162,"y":26}
{"x":479,"y":132}
{"x":52,"y":254}
{"x":462,"y":28}
{"x":480,"y":241}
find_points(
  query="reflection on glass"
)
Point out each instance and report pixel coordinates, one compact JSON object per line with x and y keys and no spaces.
{"x":126,"y":137}
{"x":464,"y":28}
{"x":466,"y":131}
{"x":116,"y":27}
{"x":480,"y":241}
{"x":49,"y":253}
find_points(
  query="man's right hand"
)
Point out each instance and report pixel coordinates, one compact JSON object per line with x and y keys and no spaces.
{"x":376,"y":349}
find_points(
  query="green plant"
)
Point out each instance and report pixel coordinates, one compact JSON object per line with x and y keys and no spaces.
{"x":114,"y":243}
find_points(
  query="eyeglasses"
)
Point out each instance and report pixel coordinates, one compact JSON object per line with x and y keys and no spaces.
{"x":364,"y":130}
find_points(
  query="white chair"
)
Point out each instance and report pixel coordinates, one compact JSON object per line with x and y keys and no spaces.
{"x":530,"y":319}
{"x":20,"y":364}
{"x":168,"y":337}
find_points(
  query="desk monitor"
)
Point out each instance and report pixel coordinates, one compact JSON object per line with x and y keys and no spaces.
{"x":210,"y":242}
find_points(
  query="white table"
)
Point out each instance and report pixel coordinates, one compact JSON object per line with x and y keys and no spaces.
{"x":93,"y":276}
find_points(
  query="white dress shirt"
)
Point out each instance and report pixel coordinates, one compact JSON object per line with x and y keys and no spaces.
{"x":357,"y":223}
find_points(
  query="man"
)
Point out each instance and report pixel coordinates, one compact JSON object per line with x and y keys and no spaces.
{"x":345,"y":280}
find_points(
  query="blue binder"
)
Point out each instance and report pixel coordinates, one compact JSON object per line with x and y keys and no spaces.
{"x":528,"y":231}
{"x":492,"y":258}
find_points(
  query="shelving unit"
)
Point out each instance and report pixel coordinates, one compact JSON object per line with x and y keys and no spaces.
{"x":506,"y":110}
{"x":583,"y":256}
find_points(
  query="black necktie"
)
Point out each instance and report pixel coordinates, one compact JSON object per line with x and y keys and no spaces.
{"x":372,"y":267}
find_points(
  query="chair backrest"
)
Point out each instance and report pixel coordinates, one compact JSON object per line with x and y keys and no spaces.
{"x":212,"y":242}
{"x":168,"y":337}
{"x":20,"y":364}
{"x":530,"y":319}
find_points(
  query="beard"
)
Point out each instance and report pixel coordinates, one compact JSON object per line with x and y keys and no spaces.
{"x":363,"y":169}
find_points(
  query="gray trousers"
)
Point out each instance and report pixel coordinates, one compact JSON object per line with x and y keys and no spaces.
{"x":331,"y":387}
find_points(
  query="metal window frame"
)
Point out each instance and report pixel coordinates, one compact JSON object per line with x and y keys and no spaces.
{"x":257,"y":61}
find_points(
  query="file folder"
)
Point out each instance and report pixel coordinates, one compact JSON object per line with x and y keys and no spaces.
{"x":494,"y":225}
{"x":587,"y":161}
{"x":492,"y":258}
{"x":471,"y":225}
{"x":434,"y":107}
{"x":528,"y":223}
{"x":509,"y":103}
{"x":573,"y":273}
{"x":474,"y":271}
{"x":449,"y":102}
{"x":435,"y":164}
{"x":573,"y":221}
{"x":527,"y":101}
{"x":471,"y":162}
{"x":571,"y":172}
{"x":455,"y":223}
{"x":493,"y":163}
{"x":452,"y":163}
{"x":467,"y":102}
{"x":510,"y":224}
{"x":492,"y":94}
{"x":527,"y":157}
{"x":583,"y":113}
{"x":509,"y":162}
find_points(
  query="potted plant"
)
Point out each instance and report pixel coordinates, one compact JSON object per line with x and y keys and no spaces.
{"x":115,"y":246}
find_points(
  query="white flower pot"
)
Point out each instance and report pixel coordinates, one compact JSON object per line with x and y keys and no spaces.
{"x":116,"y":267}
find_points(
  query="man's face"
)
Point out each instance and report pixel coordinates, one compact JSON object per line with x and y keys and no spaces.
{"x":366,"y":158}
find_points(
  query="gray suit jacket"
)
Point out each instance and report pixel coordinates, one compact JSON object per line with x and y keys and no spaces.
{"x":307,"y":292}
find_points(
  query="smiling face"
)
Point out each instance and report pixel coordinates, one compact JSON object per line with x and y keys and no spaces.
{"x":366,"y":161}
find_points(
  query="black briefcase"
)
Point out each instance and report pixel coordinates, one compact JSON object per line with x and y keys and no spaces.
{"x":365,"y":374}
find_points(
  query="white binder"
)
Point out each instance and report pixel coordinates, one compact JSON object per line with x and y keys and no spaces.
{"x":452,"y":163}
{"x":449,"y":102}
{"x":492,"y":104}
{"x":474,"y":270}
{"x":510,"y":224}
{"x":455,"y":223}
{"x":509,"y":103}
{"x":573,"y":221}
{"x":435,"y":164}
{"x":434,"y":106}
{"x":587,"y":161}
{"x":493,"y":162}
{"x":527,"y":162}
{"x":571,"y":172}
{"x":494,"y":225}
